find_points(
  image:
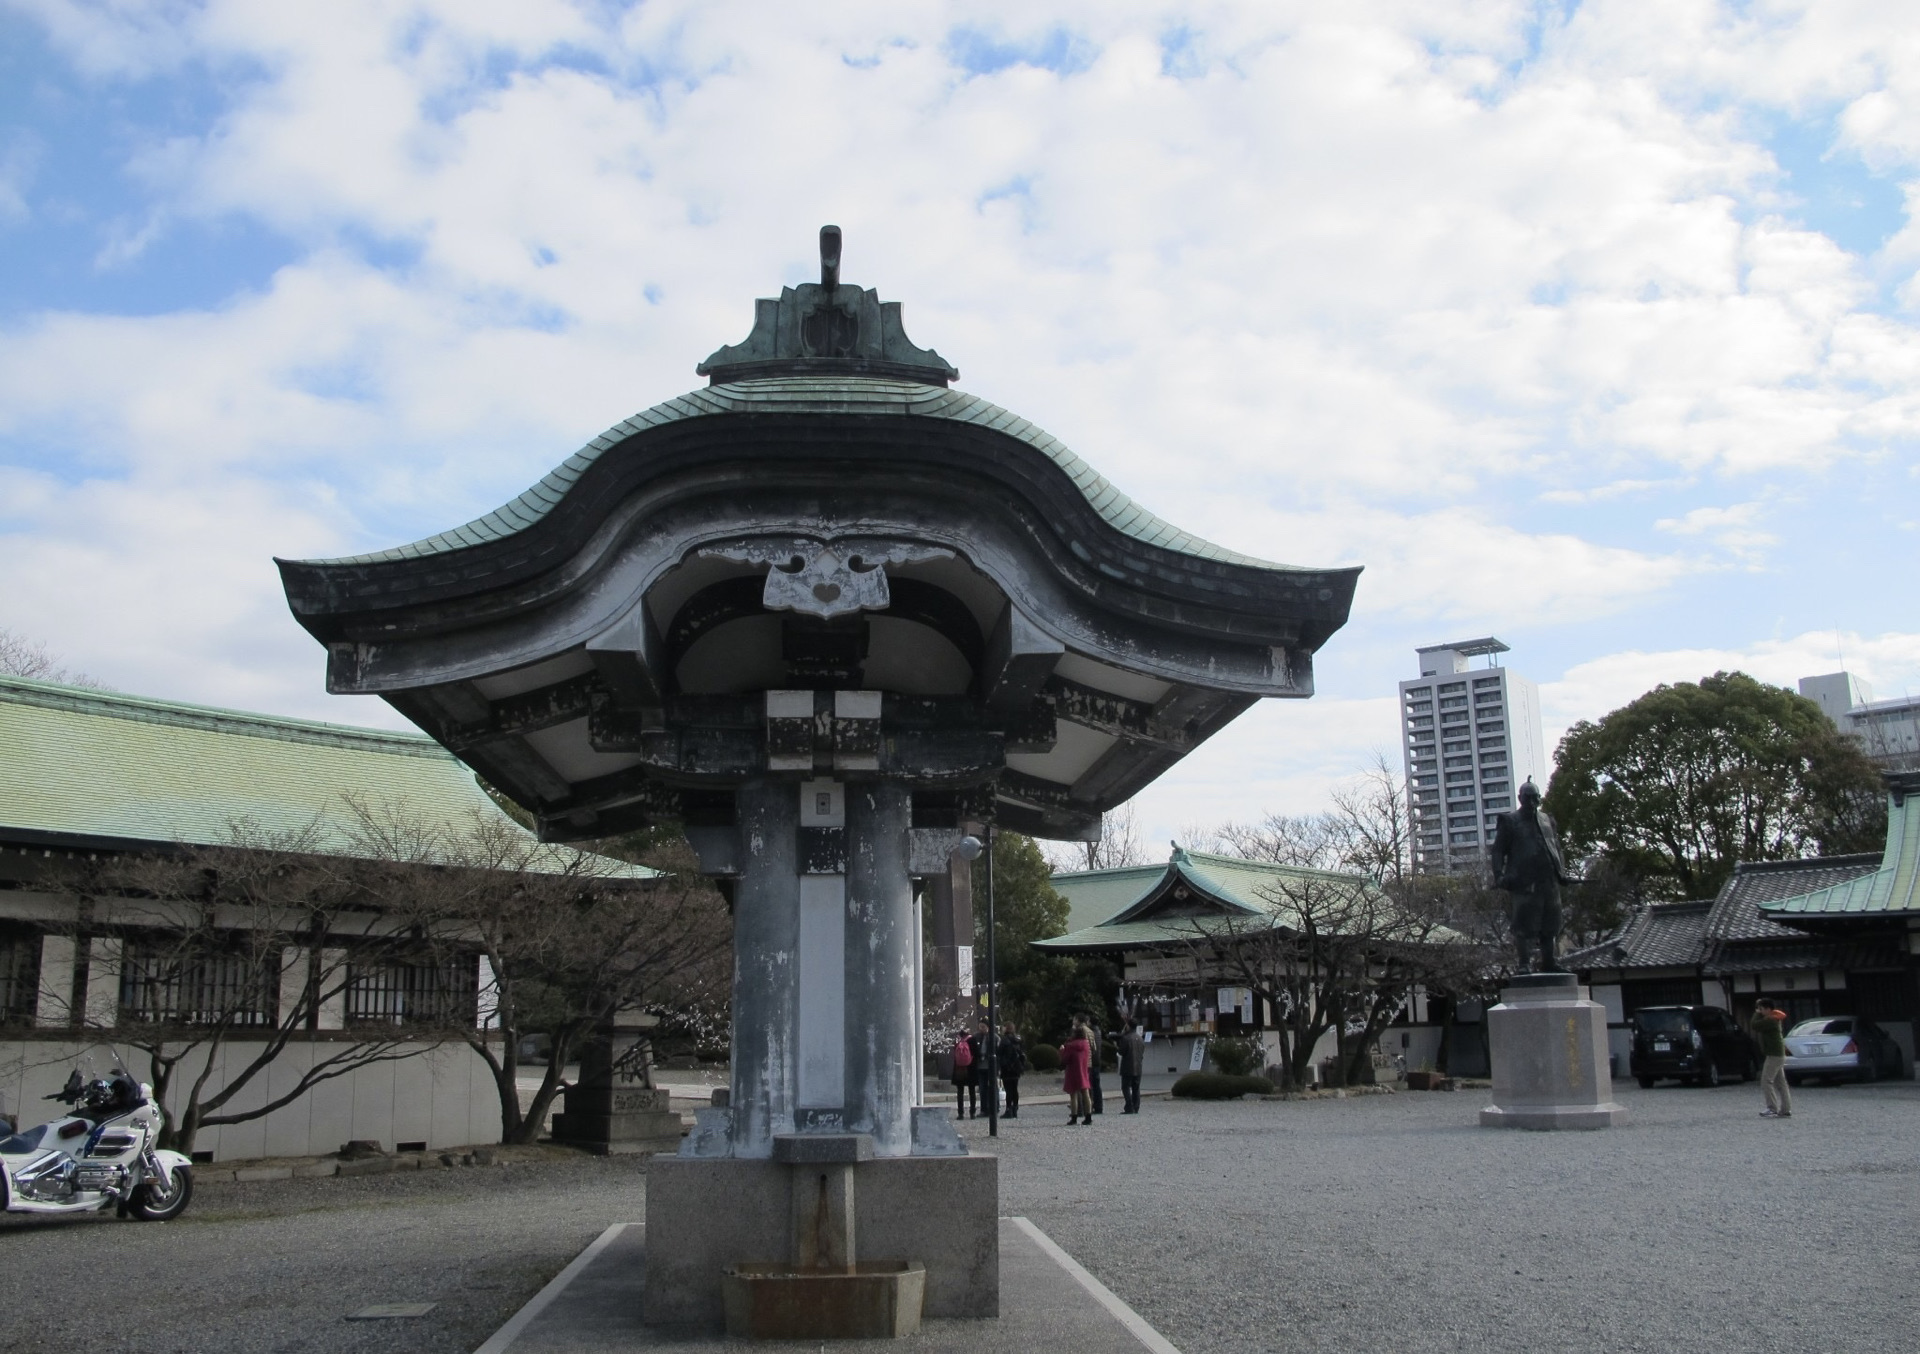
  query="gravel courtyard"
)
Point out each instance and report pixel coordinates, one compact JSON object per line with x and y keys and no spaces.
{"x":1379,"y":1223}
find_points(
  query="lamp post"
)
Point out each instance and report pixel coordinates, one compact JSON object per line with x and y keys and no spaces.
{"x":969,"y":849}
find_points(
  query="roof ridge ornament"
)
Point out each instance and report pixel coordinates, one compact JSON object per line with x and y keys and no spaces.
{"x":827,"y":328}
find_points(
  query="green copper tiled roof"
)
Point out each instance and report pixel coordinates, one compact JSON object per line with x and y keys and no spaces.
{"x":1894,"y":887}
{"x":85,"y":763}
{"x":1140,"y":935}
{"x":820,"y":395}
{"x":1099,"y":901}
{"x":1094,"y":896}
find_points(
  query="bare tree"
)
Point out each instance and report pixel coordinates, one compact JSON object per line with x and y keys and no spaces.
{"x":226,"y":957}
{"x":570,"y":938}
{"x":1117,"y":845}
{"x":24,"y":657}
{"x":1352,"y":931}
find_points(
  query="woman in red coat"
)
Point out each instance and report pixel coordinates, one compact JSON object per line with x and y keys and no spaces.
{"x":1077,"y":1056}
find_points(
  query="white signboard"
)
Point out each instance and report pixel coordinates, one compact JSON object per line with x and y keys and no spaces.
{"x":1199,"y":1059}
{"x":823,"y":989}
{"x":1160,"y":969}
{"x":963,"y":961}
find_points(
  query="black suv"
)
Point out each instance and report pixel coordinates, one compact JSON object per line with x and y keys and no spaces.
{"x":1700,"y":1044}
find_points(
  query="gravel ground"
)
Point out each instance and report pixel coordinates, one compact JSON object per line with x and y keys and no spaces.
{"x":1396,"y":1223}
{"x":1379,"y":1222}
{"x":278,"y":1265}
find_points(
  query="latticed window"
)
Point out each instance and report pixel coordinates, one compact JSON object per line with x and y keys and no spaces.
{"x":442,"y":992}
{"x":166,"y":985}
{"x":19,"y":973}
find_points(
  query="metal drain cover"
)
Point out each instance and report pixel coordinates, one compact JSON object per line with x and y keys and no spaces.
{"x":392,"y":1311}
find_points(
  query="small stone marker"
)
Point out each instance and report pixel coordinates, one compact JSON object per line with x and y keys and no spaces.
{"x":393,"y":1311}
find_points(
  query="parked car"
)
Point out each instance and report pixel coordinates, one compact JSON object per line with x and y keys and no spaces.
{"x":1840,"y":1048}
{"x":1700,"y":1044}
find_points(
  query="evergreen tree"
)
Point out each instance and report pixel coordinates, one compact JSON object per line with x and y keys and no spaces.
{"x":1041,"y":993}
{"x":1678,"y":786}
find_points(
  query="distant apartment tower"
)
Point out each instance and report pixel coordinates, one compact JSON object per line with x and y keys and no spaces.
{"x":1888,"y":730}
{"x":1471,"y":737}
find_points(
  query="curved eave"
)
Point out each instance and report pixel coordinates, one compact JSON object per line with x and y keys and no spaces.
{"x":838,"y":395}
{"x":852,"y":424}
{"x":1889,"y":892}
{"x":1117,"y":937}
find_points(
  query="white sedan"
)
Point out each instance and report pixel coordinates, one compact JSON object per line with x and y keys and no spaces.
{"x":1834,"y":1047}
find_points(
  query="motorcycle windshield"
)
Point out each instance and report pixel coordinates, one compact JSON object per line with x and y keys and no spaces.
{"x":24,"y":1141}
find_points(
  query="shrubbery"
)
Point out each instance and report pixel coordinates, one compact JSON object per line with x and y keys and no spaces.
{"x":1236,"y":1057}
{"x":1219,"y":1086}
{"x":1043,"y":1058}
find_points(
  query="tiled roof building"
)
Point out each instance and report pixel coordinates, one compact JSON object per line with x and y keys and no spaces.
{"x":1833,"y":935}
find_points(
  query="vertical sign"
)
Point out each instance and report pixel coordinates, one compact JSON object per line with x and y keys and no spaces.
{"x":823,"y":991}
{"x":822,"y":960}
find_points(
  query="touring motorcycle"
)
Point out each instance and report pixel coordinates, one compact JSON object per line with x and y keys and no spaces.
{"x":99,"y":1155}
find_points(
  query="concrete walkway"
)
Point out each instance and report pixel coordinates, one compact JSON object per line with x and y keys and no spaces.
{"x":1047,"y":1301}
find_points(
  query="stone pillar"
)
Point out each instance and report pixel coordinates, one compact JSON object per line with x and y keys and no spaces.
{"x":766,"y":988}
{"x":883,"y":1062}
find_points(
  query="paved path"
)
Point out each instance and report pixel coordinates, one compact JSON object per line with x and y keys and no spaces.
{"x":1043,"y":1306}
{"x":1381,"y":1222}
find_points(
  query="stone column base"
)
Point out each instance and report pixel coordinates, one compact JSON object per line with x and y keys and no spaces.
{"x":621,"y":1121}
{"x":707,"y":1215}
{"x":1549,"y":1047}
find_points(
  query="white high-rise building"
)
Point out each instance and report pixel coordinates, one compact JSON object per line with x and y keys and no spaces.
{"x":1888,"y":730}
{"x":1471,"y":738}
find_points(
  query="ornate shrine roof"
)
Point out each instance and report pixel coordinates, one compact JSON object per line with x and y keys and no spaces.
{"x":854,"y":395}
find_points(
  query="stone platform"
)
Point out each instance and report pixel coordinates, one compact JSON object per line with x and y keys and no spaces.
{"x":708,"y":1214}
{"x":1047,"y":1302}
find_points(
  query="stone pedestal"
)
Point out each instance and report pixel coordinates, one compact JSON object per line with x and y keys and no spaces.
{"x":1549,"y":1049}
{"x":617,"y":1120}
{"x":709,"y":1215}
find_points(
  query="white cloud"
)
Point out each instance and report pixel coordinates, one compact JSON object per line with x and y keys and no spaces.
{"x":1890,"y":663}
{"x":1394,"y":284}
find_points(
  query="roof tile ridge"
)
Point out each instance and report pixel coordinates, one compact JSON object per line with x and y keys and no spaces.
{"x":1107,"y":869}
{"x":185,"y":714}
{"x":1808,"y":862}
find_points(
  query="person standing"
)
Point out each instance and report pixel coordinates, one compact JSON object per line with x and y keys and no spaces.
{"x":1133,"y":1055}
{"x":1766,"y":1026}
{"x":1013,"y":1062}
{"x":983,"y":1075}
{"x":1075,"y":1055}
{"x":1093,"y":1069}
{"x":963,"y":1078}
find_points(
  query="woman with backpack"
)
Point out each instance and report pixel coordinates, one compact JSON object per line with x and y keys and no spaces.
{"x":964,"y":1081}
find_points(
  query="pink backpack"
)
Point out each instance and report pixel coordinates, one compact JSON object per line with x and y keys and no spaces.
{"x":962,"y":1054}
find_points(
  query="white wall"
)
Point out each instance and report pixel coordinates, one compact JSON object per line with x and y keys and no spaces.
{"x":444,"y":1096}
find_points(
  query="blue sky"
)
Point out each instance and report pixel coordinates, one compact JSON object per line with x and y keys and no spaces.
{"x":1589,"y":326}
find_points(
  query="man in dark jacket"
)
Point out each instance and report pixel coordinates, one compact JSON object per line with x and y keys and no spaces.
{"x":1013,"y":1062}
{"x":1527,"y":863}
{"x":978,"y":1041}
{"x":1133,"y":1054}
